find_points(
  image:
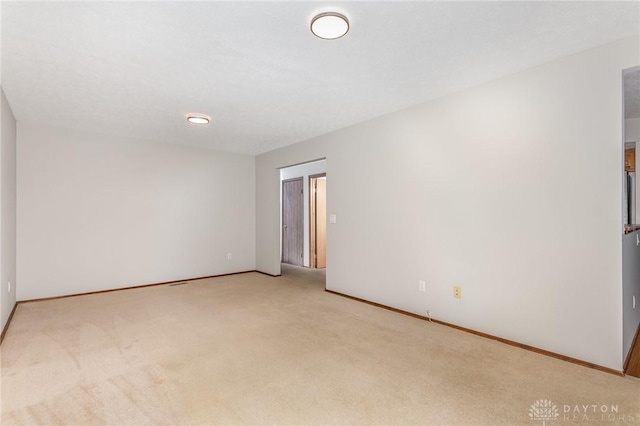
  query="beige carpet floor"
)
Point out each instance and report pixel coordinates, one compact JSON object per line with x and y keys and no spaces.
{"x":253,"y":349}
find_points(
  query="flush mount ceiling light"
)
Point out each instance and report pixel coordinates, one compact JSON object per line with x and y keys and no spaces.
{"x":329,"y":25}
{"x":198,"y":119}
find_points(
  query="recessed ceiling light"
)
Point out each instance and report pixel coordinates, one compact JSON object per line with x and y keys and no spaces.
{"x":329,"y":25}
{"x":198,"y":119}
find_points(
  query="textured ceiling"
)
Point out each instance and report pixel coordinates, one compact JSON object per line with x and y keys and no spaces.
{"x":632,"y":94}
{"x":136,"y":68}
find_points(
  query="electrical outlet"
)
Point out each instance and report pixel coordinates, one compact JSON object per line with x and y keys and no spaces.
{"x":229,"y":256}
{"x":457,"y":292}
{"x":9,"y":291}
{"x":634,"y":302}
{"x":422,"y":285}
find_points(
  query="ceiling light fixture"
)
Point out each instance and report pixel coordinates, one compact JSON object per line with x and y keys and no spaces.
{"x":198,"y":119}
{"x":329,"y":25}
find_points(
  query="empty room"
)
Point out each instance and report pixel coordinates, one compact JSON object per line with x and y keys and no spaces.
{"x":310,"y":212}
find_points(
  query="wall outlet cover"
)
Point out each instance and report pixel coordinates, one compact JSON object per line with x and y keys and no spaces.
{"x":457,"y":292}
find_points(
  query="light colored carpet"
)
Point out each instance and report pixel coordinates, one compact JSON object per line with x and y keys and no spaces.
{"x":252,"y":349}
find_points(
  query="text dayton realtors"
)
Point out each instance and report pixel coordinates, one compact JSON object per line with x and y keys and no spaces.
{"x":592,"y":412}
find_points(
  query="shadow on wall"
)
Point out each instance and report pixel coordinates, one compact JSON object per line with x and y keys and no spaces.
{"x":630,"y":289}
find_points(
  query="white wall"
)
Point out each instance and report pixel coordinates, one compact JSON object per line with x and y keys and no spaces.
{"x":7,"y":211}
{"x":99,"y":213}
{"x":483,"y":189}
{"x":632,"y":130}
{"x":303,"y":171}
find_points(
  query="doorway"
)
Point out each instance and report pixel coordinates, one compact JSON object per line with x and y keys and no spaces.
{"x":304,"y":171}
{"x":293,"y":221}
{"x":631,"y":223}
{"x":318,"y":221}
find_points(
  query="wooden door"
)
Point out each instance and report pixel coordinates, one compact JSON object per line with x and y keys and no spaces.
{"x":318,"y":221}
{"x":292,"y":221}
{"x":630,"y":160}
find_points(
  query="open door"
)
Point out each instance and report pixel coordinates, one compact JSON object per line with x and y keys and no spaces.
{"x":292,"y":221}
{"x":318,"y":221}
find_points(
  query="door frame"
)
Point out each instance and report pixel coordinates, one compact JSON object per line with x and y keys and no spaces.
{"x":312,"y":222}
